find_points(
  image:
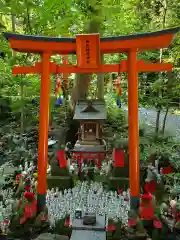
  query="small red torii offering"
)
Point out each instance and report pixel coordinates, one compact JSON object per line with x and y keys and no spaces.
{"x":89,"y":48}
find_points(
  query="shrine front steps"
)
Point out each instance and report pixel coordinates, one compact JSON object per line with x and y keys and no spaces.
{"x":49,"y":236}
{"x":115,"y":183}
{"x":61,"y":182}
{"x":89,"y":142}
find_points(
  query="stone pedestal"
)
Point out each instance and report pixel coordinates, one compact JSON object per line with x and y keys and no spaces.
{"x":59,"y":177}
{"x":120,"y":177}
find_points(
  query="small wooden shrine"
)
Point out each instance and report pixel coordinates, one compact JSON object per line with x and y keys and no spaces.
{"x":90,"y":145}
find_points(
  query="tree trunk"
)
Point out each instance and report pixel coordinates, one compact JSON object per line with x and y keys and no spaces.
{"x":164,"y":120}
{"x":159,"y":93}
{"x":160,"y":59}
{"x":93,"y":11}
{"x":22,"y":104}
{"x":157,"y":121}
{"x":13,"y":19}
{"x":53,"y":85}
{"x":82,"y":81}
{"x":13,"y":22}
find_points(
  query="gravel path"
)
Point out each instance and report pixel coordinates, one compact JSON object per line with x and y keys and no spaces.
{"x":148,"y":115}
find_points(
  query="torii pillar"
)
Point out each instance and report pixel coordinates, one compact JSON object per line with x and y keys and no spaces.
{"x":88,"y":49}
{"x":133,"y":120}
{"x":43,"y":129}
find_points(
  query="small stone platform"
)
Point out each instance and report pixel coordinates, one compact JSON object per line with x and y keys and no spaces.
{"x":89,"y":232}
{"x":77,"y":224}
{"x":88,"y":235}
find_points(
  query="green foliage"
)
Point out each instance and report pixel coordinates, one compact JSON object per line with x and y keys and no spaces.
{"x":160,"y":144}
{"x":116,"y":128}
{"x":5,"y":109}
{"x":74,"y":16}
{"x":61,"y":229}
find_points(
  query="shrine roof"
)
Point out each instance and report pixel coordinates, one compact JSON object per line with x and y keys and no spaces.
{"x":102,"y":39}
{"x":95,"y":111}
{"x":142,"y":41}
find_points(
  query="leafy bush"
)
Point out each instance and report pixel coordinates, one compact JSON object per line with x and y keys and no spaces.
{"x":5,"y":109}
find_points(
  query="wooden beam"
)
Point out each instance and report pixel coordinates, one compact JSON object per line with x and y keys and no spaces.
{"x":153,"y":67}
{"x":41,"y":46}
{"x":142,"y":44}
{"x":105,"y":68}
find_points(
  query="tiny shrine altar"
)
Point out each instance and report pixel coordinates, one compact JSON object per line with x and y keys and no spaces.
{"x":90,"y":145}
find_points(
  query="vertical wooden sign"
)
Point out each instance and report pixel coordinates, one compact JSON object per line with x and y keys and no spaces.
{"x":88,"y":50}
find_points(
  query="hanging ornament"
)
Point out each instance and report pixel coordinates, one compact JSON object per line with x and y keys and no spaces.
{"x":59,"y":101}
{"x":59,"y":92}
{"x":118,"y":90}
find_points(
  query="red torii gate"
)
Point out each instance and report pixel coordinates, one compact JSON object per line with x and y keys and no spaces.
{"x":88,"y":48}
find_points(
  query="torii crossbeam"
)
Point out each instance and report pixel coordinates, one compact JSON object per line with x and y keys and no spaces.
{"x":88,"y":49}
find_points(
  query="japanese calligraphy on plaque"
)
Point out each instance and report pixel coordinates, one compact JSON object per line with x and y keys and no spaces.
{"x":87,"y":50}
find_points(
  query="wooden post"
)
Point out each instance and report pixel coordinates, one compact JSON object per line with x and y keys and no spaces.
{"x":97,"y":130}
{"x":133,"y":128}
{"x":82,"y":133}
{"x":43,"y":130}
